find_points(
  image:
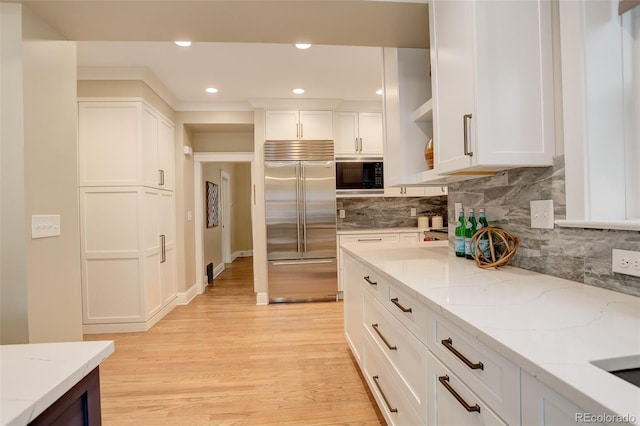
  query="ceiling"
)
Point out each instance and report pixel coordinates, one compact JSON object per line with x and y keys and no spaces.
{"x":244,"y":48}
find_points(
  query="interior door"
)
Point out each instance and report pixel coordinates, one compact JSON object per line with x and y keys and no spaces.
{"x":282,"y":209}
{"x":318,"y":209}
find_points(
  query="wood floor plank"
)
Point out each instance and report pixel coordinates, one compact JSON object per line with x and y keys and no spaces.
{"x":222,"y":360}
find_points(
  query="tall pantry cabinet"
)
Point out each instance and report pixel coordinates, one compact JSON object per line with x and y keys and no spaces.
{"x":126,"y":166}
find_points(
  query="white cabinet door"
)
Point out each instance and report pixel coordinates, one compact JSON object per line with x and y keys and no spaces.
{"x":353,"y":305}
{"x":405,"y":191}
{"x":166,"y":154}
{"x":166,"y":231}
{"x":316,"y":125}
{"x":108,"y":148}
{"x":453,"y":74}
{"x":150,"y":167}
{"x":370,"y":133}
{"x":346,"y":133}
{"x":542,"y":406}
{"x":410,"y":236}
{"x":450,"y":400}
{"x":492,"y":74}
{"x":152,"y":251}
{"x":281,"y":125}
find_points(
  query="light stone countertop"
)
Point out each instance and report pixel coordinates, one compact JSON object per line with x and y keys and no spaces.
{"x":550,"y":327}
{"x":353,"y":231}
{"x":36,"y":375}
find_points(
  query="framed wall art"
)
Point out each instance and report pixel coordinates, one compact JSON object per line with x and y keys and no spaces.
{"x":212,"y":204}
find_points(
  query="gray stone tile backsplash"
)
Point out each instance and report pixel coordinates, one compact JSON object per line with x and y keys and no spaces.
{"x":582,"y":255}
{"x":388,"y":212}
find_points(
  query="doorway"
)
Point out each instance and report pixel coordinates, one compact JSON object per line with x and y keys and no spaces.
{"x":225,"y":188}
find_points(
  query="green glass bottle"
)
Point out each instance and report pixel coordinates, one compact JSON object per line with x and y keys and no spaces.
{"x":460,"y":232}
{"x":483,"y":243}
{"x":468,"y":233}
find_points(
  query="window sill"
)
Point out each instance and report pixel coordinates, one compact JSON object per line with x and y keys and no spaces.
{"x":623,"y":225}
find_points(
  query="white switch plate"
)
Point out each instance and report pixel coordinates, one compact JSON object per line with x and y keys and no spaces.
{"x":413,"y":211}
{"x":189,"y":216}
{"x":626,"y":262}
{"x":43,"y":226}
{"x":342,"y":214}
{"x":542,"y":214}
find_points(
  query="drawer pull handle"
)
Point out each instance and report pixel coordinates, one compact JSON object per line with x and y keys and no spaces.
{"x":402,"y":308}
{"x":364,"y":240}
{"x":386,"y":401}
{"x":448,"y":343}
{"x":375,"y":328}
{"x":368,"y":279}
{"x":445,"y":382}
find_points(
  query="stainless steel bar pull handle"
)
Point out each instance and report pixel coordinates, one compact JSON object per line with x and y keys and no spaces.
{"x":402,"y":308}
{"x":368,"y":279}
{"x":298,"y":196}
{"x":298,"y":130}
{"x":366,"y":240}
{"x":356,"y":144}
{"x":304,"y":209}
{"x":448,"y":343}
{"x":163,"y":252}
{"x":360,"y":145}
{"x":301,"y":130}
{"x":386,"y":342}
{"x":444,"y":380}
{"x":465,"y":125}
{"x":159,"y":177}
{"x":386,"y":401}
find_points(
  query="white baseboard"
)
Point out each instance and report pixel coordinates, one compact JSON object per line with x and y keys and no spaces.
{"x":262,"y":298}
{"x":218,"y":270}
{"x":129,"y":327}
{"x":183,"y":298}
{"x":241,"y":253}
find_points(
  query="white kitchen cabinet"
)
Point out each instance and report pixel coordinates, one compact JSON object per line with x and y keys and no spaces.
{"x":542,"y":406}
{"x":125,"y":143}
{"x":410,"y":236}
{"x":415,"y":191}
{"x":358,"y":133}
{"x":298,"y":125}
{"x":492,"y":86}
{"x":128,"y":259}
{"x":353,"y":304}
{"x":452,"y":403}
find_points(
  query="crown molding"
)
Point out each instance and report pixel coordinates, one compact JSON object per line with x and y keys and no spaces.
{"x":130,"y":73}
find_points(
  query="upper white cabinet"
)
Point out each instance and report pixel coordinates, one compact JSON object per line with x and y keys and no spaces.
{"x":415,"y":191}
{"x":298,"y":125}
{"x":492,"y":85}
{"x":125,"y":143}
{"x":358,"y":133}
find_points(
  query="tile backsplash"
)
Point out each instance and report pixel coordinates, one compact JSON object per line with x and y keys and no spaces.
{"x":388,"y":212}
{"x":577,"y":254}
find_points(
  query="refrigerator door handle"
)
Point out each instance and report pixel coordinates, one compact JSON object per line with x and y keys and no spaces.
{"x":298,"y":171}
{"x":304,"y":209}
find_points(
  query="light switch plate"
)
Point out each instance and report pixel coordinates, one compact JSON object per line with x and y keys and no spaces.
{"x":413,"y":212}
{"x":43,"y":226}
{"x":342,"y":214}
{"x":542,"y":214}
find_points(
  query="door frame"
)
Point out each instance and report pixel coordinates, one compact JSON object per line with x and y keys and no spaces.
{"x":199,"y":206}
{"x":225,"y":188}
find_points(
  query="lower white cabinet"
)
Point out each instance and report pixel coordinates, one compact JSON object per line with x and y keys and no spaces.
{"x":353,"y":302}
{"x":415,"y":191}
{"x":128,"y":257}
{"x":452,"y":403}
{"x":542,"y":406}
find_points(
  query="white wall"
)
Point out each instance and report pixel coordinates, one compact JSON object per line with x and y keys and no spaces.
{"x":13,"y":278}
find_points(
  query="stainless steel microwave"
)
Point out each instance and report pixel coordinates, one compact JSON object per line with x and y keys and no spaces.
{"x":359,"y":176}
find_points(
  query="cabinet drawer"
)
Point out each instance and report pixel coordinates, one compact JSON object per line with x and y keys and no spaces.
{"x":369,"y":238}
{"x":447,"y":396}
{"x":491,"y":376}
{"x":397,"y":409}
{"x":406,"y":355}
{"x":375,"y":285}
{"x":412,"y":313}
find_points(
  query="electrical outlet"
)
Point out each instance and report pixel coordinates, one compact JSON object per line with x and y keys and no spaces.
{"x":626,"y":262}
{"x":341,"y":213}
{"x":413,"y":212}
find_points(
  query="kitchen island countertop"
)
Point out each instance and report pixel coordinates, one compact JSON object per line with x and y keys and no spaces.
{"x":550,"y":327}
{"x":36,"y":375}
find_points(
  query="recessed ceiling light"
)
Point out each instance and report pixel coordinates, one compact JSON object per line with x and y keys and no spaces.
{"x":298,"y":91}
{"x":211,"y":90}
{"x":379,"y":92}
{"x":303,"y":45}
{"x":183,"y":43}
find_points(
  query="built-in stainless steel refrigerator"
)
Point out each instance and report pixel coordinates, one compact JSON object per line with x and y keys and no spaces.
{"x":300,"y":205}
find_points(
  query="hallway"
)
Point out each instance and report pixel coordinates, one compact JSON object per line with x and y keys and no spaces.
{"x":223,"y":360}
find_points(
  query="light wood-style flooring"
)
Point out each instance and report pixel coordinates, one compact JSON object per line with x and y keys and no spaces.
{"x":222,"y":360}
